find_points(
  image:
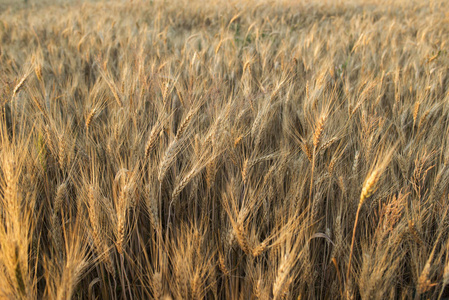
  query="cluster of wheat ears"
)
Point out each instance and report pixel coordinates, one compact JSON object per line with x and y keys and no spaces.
{"x":224,"y":150}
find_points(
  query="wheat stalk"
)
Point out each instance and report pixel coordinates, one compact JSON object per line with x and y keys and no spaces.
{"x":319,"y":130}
{"x":19,"y":85}
{"x":185,"y":180}
{"x":168,"y":158}
{"x":368,"y":189}
{"x":282,"y":279}
{"x":90,"y":118}
{"x":154,"y":134}
{"x":61,"y":194}
{"x":415,"y":112}
{"x":185,"y":123}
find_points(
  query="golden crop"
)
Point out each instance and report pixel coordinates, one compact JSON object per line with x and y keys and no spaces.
{"x":224,"y":149}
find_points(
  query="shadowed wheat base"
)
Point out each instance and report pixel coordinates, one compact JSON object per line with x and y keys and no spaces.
{"x":224,"y":150}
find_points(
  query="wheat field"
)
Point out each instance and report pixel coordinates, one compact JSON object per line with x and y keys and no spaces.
{"x":220,"y":149}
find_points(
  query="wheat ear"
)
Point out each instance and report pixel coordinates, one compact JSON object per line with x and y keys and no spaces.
{"x":90,"y":118}
{"x":368,"y":189}
{"x":185,"y":123}
{"x":152,"y":138}
{"x":19,"y":86}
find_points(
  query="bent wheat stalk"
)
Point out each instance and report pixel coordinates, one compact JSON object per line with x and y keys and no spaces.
{"x":368,"y":189}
